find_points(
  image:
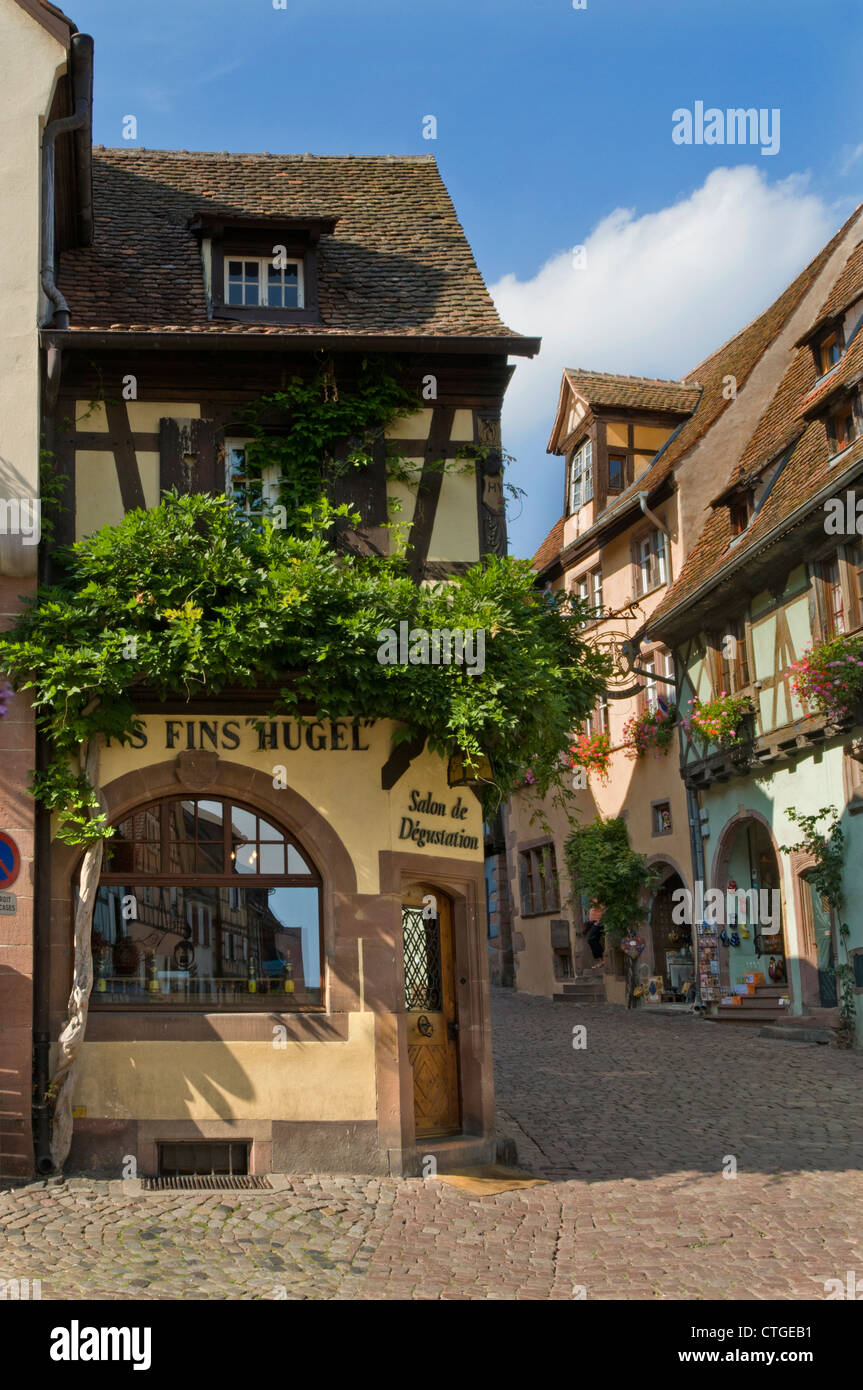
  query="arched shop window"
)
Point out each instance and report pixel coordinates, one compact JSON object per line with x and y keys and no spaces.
{"x":206,"y":905}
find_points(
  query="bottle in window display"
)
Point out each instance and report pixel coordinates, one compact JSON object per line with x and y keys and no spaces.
{"x":253,"y":976}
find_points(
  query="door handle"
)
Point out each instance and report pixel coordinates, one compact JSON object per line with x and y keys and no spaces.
{"x":451,"y":1031}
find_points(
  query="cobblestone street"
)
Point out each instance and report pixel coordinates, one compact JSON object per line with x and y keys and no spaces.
{"x":633,"y":1132}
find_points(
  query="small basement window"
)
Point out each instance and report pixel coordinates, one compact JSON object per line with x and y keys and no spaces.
{"x":190,"y":1159}
{"x":263,"y":282}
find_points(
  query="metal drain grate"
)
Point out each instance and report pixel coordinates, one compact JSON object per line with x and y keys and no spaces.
{"x":214,"y":1182}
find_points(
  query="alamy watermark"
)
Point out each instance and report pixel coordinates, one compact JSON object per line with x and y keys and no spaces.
{"x":735,"y":126}
{"x":762,"y":907}
{"x":440,"y":647}
{"x":843,"y":516}
{"x":21,"y":516}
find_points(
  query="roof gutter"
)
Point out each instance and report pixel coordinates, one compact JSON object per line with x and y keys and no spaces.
{"x":80,"y":123}
{"x":157,"y":340}
{"x":660,"y":525}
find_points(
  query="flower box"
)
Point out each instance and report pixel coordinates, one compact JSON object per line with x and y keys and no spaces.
{"x":728,"y":721}
{"x":829,"y":676}
{"x":650,"y":732}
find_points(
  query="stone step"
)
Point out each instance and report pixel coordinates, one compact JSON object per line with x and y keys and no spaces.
{"x":740,"y":1022}
{"x":753,"y":1007}
{"x":792,"y":1032}
{"x":729,"y":1014}
{"x":597,"y":998}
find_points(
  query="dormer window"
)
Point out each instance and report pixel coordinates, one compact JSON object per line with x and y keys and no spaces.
{"x":842,"y":427}
{"x":581,"y":476}
{"x":740,"y":511}
{"x":276,"y":283}
{"x":261,"y":269}
{"x":828,"y":352}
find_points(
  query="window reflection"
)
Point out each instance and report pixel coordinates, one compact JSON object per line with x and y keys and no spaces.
{"x":247,"y":946}
{"x":191,"y":935}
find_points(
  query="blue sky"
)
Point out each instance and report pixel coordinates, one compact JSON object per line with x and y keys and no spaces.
{"x":549,"y":120}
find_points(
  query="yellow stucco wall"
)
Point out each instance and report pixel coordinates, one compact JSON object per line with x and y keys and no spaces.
{"x":343,"y":785}
{"x":456,"y":532}
{"x":231,"y":1080}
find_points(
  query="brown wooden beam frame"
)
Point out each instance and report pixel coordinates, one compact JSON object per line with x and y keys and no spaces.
{"x":428,"y":491}
{"x":126,"y":460}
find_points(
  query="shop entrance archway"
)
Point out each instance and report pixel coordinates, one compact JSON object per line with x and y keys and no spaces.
{"x":673,"y":959}
{"x":747,"y":868}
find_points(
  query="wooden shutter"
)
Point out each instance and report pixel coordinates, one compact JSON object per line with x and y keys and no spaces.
{"x":190,"y":456}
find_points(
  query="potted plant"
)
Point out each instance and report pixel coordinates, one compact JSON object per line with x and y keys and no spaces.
{"x":650,"y":732}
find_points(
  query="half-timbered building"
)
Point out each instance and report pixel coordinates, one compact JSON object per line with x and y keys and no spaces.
{"x":642,"y":466}
{"x":280,"y":998}
{"x":776,"y":573}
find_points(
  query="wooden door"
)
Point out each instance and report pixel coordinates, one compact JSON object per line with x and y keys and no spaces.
{"x":821,"y":945}
{"x":431,"y":1012}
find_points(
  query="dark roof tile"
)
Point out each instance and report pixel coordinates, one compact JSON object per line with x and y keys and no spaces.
{"x":633,"y":392}
{"x":398,"y":262}
{"x":788,"y":445}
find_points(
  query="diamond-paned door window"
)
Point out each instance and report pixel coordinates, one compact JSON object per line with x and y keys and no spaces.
{"x":422,"y":955}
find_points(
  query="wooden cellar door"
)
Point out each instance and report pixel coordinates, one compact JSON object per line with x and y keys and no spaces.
{"x":431,"y":1014}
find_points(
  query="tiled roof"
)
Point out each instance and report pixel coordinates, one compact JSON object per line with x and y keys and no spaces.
{"x":845,"y":290}
{"x":398,"y":262}
{"x":633,"y":392}
{"x":737,"y":358}
{"x":783,"y":427}
{"x":550,"y":547}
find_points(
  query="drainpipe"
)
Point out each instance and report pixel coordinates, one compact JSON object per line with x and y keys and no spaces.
{"x":642,"y":499}
{"x":696,"y":845}
{"x":81,"y":58}
{"x":81,"y":65}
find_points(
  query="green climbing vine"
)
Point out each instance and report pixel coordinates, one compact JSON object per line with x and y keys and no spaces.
{"x":51,"y":492}
{"x":828,"y":849}
{"x":191,"y":596}
{"x":314,"y":429}
{"x":603,"y":866}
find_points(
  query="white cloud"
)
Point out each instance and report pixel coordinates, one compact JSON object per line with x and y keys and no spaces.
{"x":658,"y":294}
